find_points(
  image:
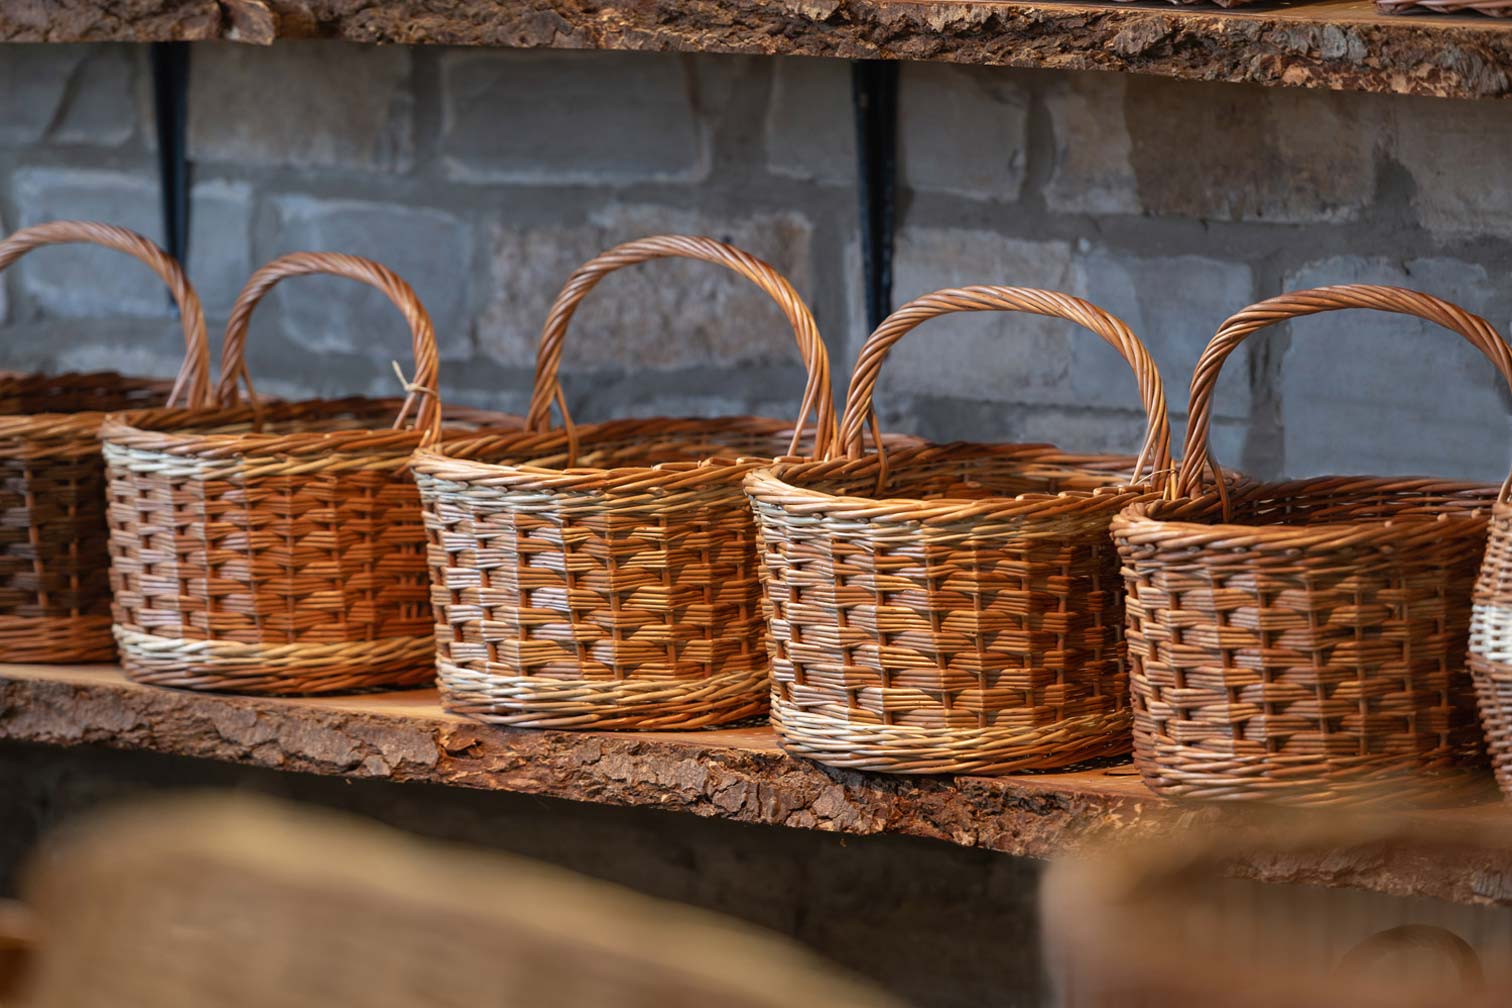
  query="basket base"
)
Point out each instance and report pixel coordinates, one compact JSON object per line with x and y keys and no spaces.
{"x":1362,"y":782}
{"x":279,"y":669}
{"x":905,"y":749}
{"x":49,"y":640}
{"x":638,"y":704}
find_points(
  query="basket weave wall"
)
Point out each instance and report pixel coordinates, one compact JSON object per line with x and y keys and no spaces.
{"x":606,"y":575}
{"x":952,"y":608}
{"x":1491,"y":641}
{"x":276,"y":548}
{"x":54,"y":586}
{"x":1304,"y":641}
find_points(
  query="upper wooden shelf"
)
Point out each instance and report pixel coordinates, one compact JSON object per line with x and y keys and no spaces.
{"x":1339,"y":44}
{"x":736,"y":774}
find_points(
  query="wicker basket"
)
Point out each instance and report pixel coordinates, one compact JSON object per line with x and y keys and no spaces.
{"x":606,"y":576}
{"x":275,"y":548}
{"x":54,"y":589}
{"x":1304,"y":641}
{"x":1165,"y":923}
{"x":1492,"y":8}
{"x":1491,"y":641}
{"x":955,"y":608}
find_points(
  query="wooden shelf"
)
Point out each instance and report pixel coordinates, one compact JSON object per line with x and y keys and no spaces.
{"x":1338,"y":44}
{"x":736,"y":774}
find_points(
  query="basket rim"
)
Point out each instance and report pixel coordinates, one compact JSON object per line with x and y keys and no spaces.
{"x":770,"y":485}
{"x":1136,"y":522}
{"x":174,"y":431}
{"x":57,"y":422}
{"x":439,"y":462}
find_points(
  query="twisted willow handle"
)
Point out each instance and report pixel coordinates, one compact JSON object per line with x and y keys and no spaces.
{"x":192,"y":386}
{"x":1156,"y":451}
{"x":816,"y":392}
{"x":422,"y":332}
{"x":1197,"y":455}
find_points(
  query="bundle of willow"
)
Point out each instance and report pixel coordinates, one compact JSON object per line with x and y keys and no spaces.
{"x":1304,"y":641}
{"x":606,"y":576}
{"x":276,"y":547}
{"x":953,"y":608}
{"x":54,"y":589}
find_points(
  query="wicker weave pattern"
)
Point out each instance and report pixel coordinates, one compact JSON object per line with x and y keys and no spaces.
{"x":275,"y":548}
{"x":606,"y":576}
{"x":1491,"y":642}
{"x":952,"y":609}
{"x":1491,"y":8}
{"x":1304,"y":641}
{"x":54,"y":590}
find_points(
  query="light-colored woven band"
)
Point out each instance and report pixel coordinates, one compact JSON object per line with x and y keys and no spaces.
{"x":646,"y":704}
{"x":152,"y":461}
{"x":1197,"y":455}
{"x":421,"y":388}
{"x":817,"y":398}
{"x":908,"y":749}
{"x":192,"y":387}
{"x":859,"y":411}
{"x":1385,"y":780}
{"x":275,"y":668}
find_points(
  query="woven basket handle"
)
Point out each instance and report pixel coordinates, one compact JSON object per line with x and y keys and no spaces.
{"x":816,"y":393}
{"x":192,"y":386}
{"x":1197,"y":455}
{"x":1156,"y":451}
{"x":1364,"y":957}
{"x":234,"y":371}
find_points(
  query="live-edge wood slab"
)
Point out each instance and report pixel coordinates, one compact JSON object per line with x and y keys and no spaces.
{"x":738,"y":774}
{"x":1338,"y":44}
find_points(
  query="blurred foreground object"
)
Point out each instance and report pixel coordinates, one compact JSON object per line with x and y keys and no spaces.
{"x":213,"y":901}
{"x":1167,"y":924}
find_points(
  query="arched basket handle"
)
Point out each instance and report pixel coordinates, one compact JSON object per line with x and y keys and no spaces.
{"x":1362,"y":959}
{"x":817,"y":398}
{"x":192,"y":386}
{"x":1156,"y":451}
{"x":1197,"y":454}
{"x":421,"y":387}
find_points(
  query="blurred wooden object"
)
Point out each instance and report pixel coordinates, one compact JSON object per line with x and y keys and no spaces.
{"x":1165,"y":924}
{"x":212,"y":901}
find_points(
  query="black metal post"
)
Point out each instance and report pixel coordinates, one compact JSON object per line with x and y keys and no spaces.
{"x":874,"y":92}
{"x":170,"y":99}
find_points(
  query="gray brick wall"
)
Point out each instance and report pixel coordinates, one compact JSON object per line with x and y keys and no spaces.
{"x":484,"y":177}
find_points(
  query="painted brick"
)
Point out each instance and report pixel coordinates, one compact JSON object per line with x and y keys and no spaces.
{"x":1092,"y":170}
{"x":978,"y":114}
{"x":83,"y":282}
{"x":1039,"y":374}
{"x":1174,"y":304}
{"x":568,"y":117}
{"x":101,"y":106}
{"x":809,"y":132}
{"x":33,"y":82}
{"x":1368,"y":392}
{"x":429,"y":248}
{"x":662,"y":315}
{"x":303,"y":104}
{"x":1447,"y":147}
{"x":1126,"y":145}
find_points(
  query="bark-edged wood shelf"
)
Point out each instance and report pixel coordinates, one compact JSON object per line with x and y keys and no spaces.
{"x":1339,"y":44}
{"x":737,"y":774}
